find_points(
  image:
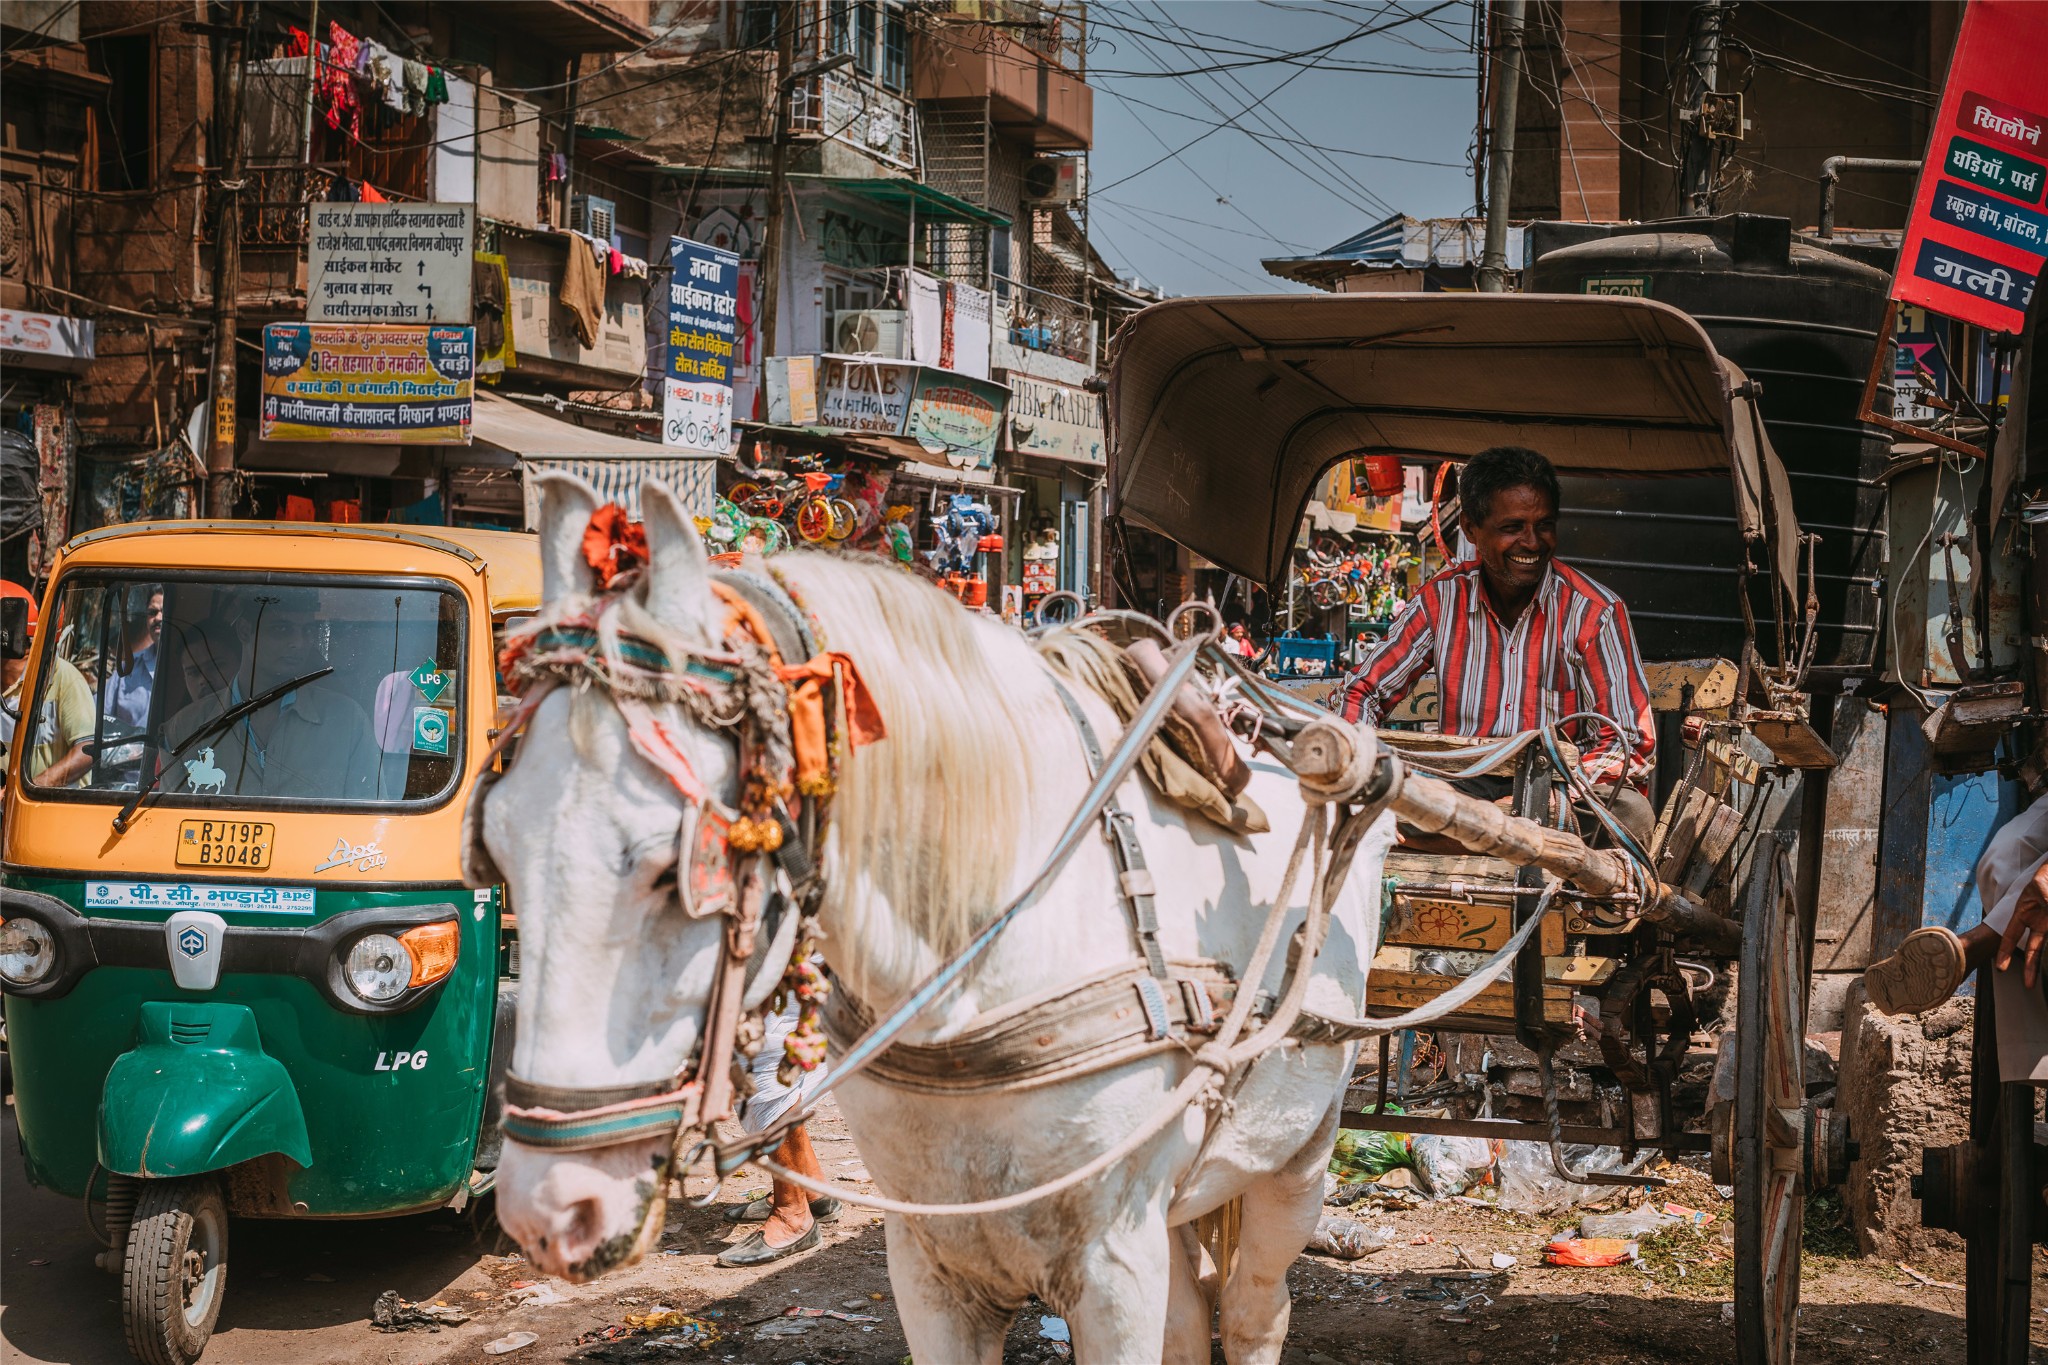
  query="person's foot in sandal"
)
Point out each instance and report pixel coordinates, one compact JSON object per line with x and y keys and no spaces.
{"x":824,"y":1210}
{"x":1923,"y":973}
{"x":758,"y":1250}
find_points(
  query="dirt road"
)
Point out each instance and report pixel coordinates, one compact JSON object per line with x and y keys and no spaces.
{"x":302,"y":1293}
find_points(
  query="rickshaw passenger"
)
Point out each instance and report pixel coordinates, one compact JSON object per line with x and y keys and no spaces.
{"x":314,"y":742}
{"x":63,"y":725}
{"x":1518,"y":639}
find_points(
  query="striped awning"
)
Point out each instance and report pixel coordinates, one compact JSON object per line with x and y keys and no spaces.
{"x":617,"y":479}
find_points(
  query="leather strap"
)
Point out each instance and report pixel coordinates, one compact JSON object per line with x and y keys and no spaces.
{"x":1134,"y":878}
{"x":1077,"y":1029}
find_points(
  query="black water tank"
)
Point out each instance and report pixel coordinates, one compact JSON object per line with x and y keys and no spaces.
{"x":1801,"y":321}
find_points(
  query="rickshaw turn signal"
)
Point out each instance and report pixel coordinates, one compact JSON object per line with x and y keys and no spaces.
{"x":434,"y":948}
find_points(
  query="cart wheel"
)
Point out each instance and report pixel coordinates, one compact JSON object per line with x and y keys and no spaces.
{"x":1770,"y":1128}
{"x":176,"y":1272}
{"x":1999,"y":1233}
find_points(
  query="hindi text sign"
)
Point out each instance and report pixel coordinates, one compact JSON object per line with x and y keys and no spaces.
{"x":1976,"y":239}
{"x":703,"y":332}
{"x":407,"y":263}
{"x":390,"y":385}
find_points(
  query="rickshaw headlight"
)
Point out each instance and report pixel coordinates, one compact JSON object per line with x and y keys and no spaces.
{"x":378,"y":968}
{"x":28,"y":951}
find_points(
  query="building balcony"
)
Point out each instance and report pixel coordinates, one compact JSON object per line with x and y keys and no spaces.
{"x":862,"y":115}
{"x":1045,"y":322}
{"x":1031,"y":97}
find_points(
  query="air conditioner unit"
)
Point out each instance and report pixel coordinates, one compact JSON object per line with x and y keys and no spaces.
{"x":1055,"y":179}
{"x":870,"y":331}
{"x":594,"y":217}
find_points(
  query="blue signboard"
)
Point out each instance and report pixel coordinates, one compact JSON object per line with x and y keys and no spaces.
{"x":703,"y":335}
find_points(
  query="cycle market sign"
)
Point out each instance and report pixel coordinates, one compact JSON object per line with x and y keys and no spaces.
{"x":390,"y":385}
{"x":703,"y":332}
{"x":952,"y":414}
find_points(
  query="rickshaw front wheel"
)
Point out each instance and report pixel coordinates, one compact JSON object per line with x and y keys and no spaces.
{"x":175,"y":1273}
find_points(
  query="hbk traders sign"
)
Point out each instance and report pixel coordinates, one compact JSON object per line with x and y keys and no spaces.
{"x":393,"y":385}
{"x":1979,"y":229}
{"x":703,"y":330}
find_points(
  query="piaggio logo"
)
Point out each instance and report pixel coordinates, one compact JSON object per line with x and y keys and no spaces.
{"x":192,"y":941}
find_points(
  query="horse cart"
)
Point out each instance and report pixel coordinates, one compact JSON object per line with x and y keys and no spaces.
{"x":1646,"y":999}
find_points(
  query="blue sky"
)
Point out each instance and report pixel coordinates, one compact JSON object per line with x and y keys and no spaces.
{"x":1200,"y":221}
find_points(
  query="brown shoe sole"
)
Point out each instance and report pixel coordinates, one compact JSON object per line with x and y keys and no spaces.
{"x":1922,"y":974}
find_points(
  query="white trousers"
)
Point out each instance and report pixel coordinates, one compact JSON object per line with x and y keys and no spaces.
{"x":771,"y":1098}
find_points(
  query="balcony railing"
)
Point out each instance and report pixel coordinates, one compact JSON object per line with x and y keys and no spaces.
{"x":1039,"y":321}
{"x":858,"y":113}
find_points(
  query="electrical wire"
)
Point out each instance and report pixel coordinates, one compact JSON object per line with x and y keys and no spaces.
{"x":1295,"y":58}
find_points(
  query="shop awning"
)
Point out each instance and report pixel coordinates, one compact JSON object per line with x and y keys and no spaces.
{"x":694,"y":482}
{"x":533,"y":434}
{"x":872,"y":445}
{"x":901,"y":195}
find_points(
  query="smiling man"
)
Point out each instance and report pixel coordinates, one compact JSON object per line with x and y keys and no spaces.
{"x":1518,"y":639}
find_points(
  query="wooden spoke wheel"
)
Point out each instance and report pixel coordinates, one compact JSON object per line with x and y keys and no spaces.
{"x":1770,"y":1127}
{"x":2005,"y":1174}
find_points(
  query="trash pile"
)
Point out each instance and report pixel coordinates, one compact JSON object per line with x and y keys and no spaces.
{"x":390,"y":1313}
{"x":1396,"y":1170}
{"x":661,"y":1331}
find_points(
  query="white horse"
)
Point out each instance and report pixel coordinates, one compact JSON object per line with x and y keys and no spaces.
{"x":202,"y":776}
{"x":933,"y":829}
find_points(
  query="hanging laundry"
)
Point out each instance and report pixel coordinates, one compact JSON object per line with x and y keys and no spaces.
{"x":371,"y":195}
{"x":385,"y":70}
{"x":336,"y":83}
{"x":343,"y":190}
{"x":616,"y":260}
{"x":601,"y":252}
{"x":415,"y":80}
{"x":298,"y":42}
{"x":437,"y":86}
{"x":582,"y":291}
{"x":634,"y":268}
{"x":558,"y":167}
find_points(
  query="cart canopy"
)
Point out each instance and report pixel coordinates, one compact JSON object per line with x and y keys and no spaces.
{"x":1225,"y":411}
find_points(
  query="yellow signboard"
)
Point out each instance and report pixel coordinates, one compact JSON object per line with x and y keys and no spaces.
{"x":390,"y":384}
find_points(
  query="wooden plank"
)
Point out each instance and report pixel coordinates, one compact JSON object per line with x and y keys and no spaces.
{"x":1395,"y":992}
{"x":1579,"y":971}
{"x":1482,"y":926}
{"x":1794,"y":743}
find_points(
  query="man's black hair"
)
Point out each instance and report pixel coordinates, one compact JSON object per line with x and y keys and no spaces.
{"x":1498,"y":468}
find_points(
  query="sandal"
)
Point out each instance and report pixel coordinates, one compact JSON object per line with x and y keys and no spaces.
{"x":1924,"y":972}
{"x":823,"y":1209}
{"x":756,"y":1251}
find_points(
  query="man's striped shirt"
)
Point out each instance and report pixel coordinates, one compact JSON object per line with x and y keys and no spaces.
{"x":1572,"y":650}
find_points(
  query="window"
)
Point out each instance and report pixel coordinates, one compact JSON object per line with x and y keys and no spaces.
{"x":864,"y":37}
{"x":123,"y":125}
{"x":367,"y":682}
{"x":895,"y":49}
{"x":839,"y":27}
{"x":759,"y":23}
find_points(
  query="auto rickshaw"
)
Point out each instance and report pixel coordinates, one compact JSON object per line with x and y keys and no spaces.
{"x":242,"y":973}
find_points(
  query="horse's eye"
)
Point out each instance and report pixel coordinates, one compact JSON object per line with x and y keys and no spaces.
{"x":665,"y":879}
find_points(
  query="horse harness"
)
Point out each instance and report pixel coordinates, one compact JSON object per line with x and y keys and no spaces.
{"x":722,"y":855}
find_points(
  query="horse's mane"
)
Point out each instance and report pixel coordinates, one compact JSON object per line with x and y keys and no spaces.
{"x":927,"y":825}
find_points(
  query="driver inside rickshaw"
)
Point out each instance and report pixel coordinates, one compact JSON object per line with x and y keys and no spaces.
{"x":312,"y":741}
{"x":1519,"y":640}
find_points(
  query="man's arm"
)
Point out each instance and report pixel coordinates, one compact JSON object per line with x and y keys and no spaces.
{"x":1390,"y":672}
{"x":1615,"y":687}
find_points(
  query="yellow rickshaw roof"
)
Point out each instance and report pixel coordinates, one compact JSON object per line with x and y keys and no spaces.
{"x":511,"y":559}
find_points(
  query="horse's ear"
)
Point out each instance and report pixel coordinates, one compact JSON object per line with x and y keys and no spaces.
{"x":566,"y":503}
{"x":679,"y":572}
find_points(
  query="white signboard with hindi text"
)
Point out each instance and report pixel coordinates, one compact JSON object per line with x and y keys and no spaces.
{"x":406,"y":263}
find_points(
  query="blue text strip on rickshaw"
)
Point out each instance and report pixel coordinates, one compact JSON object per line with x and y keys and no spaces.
{"x":278,"y":900}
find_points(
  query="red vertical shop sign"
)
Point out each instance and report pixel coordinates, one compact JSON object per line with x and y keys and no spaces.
{"x":1979,"y":229}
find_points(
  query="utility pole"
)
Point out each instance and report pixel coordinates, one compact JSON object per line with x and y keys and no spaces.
{"x":778,"y":176}
{"x":1500,"y":152}
{"x":227,"y":257}
{"x":1696,"y":175}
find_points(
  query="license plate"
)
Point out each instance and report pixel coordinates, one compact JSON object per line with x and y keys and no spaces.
{"x":225,"y":843}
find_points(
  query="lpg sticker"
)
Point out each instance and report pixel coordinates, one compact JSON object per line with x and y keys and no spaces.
{"x":400,"y":1061}
{"x":361,"y":857}
{"x":279,"y":900}
{"x":429,"y":730}
{"x":429,"y":679}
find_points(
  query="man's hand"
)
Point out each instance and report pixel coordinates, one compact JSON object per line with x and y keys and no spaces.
{"x":2027,"y":931}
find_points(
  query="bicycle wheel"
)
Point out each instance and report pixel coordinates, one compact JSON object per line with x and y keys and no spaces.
{"x":814,"y":521}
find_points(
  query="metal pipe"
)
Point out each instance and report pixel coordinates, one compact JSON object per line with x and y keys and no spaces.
{"x":1697,"y":174}
{"x":1831,"y":173}
{"x":1500,"y":157}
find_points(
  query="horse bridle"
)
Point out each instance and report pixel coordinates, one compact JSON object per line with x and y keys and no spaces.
{"x":558,"y":1118}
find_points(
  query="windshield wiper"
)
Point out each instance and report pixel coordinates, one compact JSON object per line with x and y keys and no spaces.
{"x":212,"y":727}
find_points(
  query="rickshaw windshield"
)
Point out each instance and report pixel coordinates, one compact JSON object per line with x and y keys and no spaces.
{"x":133,"y":668}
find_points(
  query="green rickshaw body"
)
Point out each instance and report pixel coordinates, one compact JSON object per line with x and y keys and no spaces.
{"x":385,"y":1111}
{"x":270,"y":1064}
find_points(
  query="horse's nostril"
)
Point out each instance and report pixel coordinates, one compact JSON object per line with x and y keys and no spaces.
{"x":586,"y":1226}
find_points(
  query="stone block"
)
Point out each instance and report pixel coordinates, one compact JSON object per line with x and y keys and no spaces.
{"x":1905,"y":1085}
